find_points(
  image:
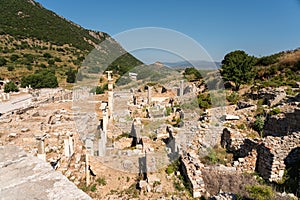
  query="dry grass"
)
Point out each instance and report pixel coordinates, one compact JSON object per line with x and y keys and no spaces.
{"x":290,"y":57}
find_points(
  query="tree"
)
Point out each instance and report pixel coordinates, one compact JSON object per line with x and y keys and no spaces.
{"x":237,"y":67}
{"x":192,"y":74}
{"x":3,"y":61}
{"x":41,"y":79}
{"x":14,"y":57}
{"x":71,"y":75}
{"x":10,"y":68}
{"x":10,"y":87}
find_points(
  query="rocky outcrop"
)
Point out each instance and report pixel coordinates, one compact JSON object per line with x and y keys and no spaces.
{"x":26,"y":177}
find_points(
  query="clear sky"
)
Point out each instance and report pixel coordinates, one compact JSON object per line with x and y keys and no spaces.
{"x":260,"y":27}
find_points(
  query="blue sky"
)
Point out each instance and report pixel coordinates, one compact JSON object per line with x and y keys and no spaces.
{"x":260,"y":27}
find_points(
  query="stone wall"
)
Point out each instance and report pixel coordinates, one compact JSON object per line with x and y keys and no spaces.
{"x":283,"y":124}
{"x":191,"y":170}
{"x":243,"y":149}
{"x":275,"y":153}
{"x":268,"y":156}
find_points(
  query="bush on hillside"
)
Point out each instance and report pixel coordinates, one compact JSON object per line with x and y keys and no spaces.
{"x":10,"y":87}
{"x":41,"y":79}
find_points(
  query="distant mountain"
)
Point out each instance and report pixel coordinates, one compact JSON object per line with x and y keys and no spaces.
{"x":28,"y":31}
{"x":200,"y":64}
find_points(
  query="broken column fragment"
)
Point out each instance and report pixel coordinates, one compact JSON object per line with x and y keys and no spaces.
{"x":41,"y":154}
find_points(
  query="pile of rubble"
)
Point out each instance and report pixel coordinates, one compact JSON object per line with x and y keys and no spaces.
{"x":50,"y":135}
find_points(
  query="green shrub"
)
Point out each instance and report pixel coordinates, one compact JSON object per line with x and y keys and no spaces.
{"x":93,"y":188}
{"x":274,"y":111}
{"x":204,"y":100}
{"x":241,"y":126}
{"x":259,"y":124}
{"x":41,"y":79}
{"x":51,"y":62}
{"x":260,"y":108}
{"x":47,"y":55}
{"x":168,"y":111}
{"x":217,"y":155}
{"x":173,"y":167}
{"x":57,"y":59}
{"x":192,"y":74}
{"x":268,"y":60}
{"x":101,"y":181}
{"x":14,"y":57}
{"x":3,"y":61}
{"x":29,"y":67}
{"x":233,"y":98}
{"x":10,"y":87}
{"x":10,"y":68}
{"x":43,"y":65}
{"x":71,"y":75}
{"x":100,"y":89}
{"x":260,"y":192}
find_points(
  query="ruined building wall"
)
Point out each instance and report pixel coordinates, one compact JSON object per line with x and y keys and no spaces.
{"x":283,"y":124}
{"x":268,"y":156}
{"x":191,"y":169}
{"x":273,"y":155}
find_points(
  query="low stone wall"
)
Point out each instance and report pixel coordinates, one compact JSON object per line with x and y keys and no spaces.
{"x":283,"y":124}
{"x":191,"y":170}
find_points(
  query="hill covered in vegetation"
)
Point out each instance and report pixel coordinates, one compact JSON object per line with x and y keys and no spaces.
{"x":34,"y":38}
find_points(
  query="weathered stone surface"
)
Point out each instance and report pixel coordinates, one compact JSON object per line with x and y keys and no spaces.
{"x":272,"y":96}
{"x":189,"y":165}
{"x":26,"y":177}
{"x":283,"y":124}
{"x":232,"y":117}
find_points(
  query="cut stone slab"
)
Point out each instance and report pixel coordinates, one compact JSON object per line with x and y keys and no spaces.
{"x":232,"y":117}
{"x":26,"y":177}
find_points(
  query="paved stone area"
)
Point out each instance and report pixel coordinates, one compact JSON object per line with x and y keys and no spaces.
{"x":27,"y":177}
